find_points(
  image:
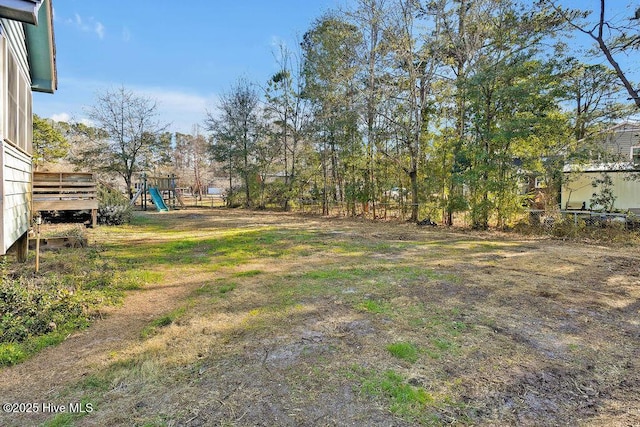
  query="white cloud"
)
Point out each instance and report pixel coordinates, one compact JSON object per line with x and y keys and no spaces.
{"x":88,"y":25}
{"x":86,"y":122}
{"x":61,"y":117}
{"x":99,"y":29}
{"x":181,"y":109}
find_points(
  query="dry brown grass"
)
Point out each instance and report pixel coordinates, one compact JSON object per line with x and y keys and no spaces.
{"x":274,"y":319}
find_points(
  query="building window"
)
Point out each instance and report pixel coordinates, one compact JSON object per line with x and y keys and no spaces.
{"x":540,"y":182}
{"x":635,"y":155}
{"x":18,"y":117}
{"x":12,"y":99}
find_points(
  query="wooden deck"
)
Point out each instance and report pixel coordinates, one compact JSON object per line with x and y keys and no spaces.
{"x":65,"y":191}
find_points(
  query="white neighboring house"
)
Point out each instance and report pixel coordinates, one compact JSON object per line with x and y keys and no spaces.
{"x":622,"y":142}
{"x":27,"y":63}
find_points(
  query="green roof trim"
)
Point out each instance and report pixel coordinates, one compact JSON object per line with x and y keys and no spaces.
{"x":41,"y":51}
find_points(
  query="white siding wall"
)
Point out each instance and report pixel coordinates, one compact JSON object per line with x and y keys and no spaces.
{"x":15,"y":173}
{"x":16,"y":194}
{"x":3,"y":95}
{"x":579,"y":189}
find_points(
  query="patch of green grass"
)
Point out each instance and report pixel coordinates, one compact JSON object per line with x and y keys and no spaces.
{"x":404,"y":399}
{"x":38,"y":343}
{"x":331,"y":274}
{"x":95,"y":383}
{"x":216,"y":289}
{"x":442,"y":344}
{"x":159,"y":421}
{"x":375,"y":306}
{"x":439,"y":347}
{"x":140,"y":218}
{"x":348,"y":273}
{"x":129,"y":280}
{"x":404,"y":350}
{"x":226,"y":288}
{"x":363,"y":246}
{"x":74,"y":411}
{"x":378,"y":274}
{"x":248,"y":273}
{"x":162,"y":321}
{"x":456,"y":328}
{"x":332,"y":280}
{"x":286,"y":291}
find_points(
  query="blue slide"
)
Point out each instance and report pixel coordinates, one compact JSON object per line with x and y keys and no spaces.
{"x":157,"y":200}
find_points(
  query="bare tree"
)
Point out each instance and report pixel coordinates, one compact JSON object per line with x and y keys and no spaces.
{"x":610,"y":37}
{"x":413,"y":77}
{"x":286,"y":110}
{"x":235,"y":130}
{"x":191,"y":159}
{"x":130,"y":131}
{"x":371,"y":17}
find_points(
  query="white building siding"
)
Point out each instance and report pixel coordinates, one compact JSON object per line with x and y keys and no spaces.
{"x":16,"y":112}
{"x":16,"y":194}
{"x":3,"y":101}
{"x":15,"y":175}
{"x":579,"y":188}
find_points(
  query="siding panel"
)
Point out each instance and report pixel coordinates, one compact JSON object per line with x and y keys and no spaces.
{"x":16,"y":196}
{"x":16,"y":175}
{"x":3,"y":45}
{"x":626,"y":191}
{"x":622,"y":140}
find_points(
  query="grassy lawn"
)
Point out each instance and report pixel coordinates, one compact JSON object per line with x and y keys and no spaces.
{"x":239,"y":318}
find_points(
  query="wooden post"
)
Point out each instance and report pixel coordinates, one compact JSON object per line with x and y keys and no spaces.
{"x":22,"y":247}
{"x":144,"y":192}
{"x":38,"y":222}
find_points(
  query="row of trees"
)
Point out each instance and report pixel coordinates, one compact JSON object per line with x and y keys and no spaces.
{"x":456,"y":102}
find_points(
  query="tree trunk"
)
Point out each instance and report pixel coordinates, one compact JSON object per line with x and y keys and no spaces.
{"x":128,"y":182}
{"x":325,"y":178}
{"x":413,"y":176}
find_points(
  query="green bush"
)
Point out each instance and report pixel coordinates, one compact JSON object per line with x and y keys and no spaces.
{"x":114,"y":214}
{"x":27,"y":310}
{"x":10,"y":354}
{"x":113,"y":208}
{"x":42,"y":310}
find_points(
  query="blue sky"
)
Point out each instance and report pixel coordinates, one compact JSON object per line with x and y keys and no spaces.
{"x":182,"y":54}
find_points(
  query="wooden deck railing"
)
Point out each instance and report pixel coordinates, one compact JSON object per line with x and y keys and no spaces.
{"x":65,"y":191}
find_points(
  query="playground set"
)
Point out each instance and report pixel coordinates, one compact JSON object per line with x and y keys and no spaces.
{"x":163,"y":193}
